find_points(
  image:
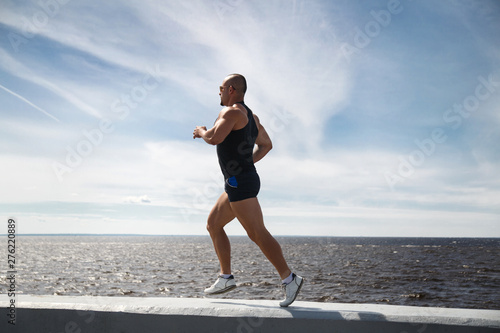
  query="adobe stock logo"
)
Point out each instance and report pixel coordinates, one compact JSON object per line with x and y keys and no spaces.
{"x":225,"y":7}
{"x":372,"y":29}
{"x":94,"y":137}
{"x":39,"y":20}
{"x":454,"y":118}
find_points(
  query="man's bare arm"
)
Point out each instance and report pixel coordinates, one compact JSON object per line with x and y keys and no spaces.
{"x":263,"y":142}
{"x":222,"y":127}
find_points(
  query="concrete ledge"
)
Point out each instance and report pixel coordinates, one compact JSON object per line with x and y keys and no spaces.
{"x":76,"y":314}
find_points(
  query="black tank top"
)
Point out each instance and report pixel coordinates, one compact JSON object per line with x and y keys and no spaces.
{"x":235,"y":153}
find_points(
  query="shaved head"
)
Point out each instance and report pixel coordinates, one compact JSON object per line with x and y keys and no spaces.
{"x":238,"y":82}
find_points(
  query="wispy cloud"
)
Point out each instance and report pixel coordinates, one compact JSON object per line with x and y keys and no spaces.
{"x":337,"y":126}
{"x":318,"y":87}
{"x":137,"y":199}
{"x":29,"y":103}
{"x":20,"y":70}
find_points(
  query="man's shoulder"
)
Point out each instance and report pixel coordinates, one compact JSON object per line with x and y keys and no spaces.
{"x":231,"y":112}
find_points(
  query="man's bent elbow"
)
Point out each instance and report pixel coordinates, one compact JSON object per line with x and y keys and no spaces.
{"x":268,"y":147}
{"x":213,"y":141}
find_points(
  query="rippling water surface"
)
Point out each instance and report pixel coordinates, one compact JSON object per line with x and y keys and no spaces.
{"x":444,"y":272}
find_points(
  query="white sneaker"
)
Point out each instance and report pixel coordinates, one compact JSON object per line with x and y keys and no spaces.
{"x":292,"y":290}
{"x":221,"y":286}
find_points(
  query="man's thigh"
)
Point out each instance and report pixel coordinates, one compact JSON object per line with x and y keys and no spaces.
{"x":222,"y":213}
{"x":249,"y":213}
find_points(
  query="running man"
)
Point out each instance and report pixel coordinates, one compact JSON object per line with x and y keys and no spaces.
{"x":235,"y":133}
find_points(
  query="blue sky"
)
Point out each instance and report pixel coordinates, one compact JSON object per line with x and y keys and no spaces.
{"x":384,"y":114}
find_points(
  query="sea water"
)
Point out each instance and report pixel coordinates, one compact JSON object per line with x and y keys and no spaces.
{"x":441,"y":272}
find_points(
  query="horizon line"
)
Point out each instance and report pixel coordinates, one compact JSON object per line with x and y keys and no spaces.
{"x":187,"y":235}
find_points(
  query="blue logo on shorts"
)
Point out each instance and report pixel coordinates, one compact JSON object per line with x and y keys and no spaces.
{"x":231,"y":181}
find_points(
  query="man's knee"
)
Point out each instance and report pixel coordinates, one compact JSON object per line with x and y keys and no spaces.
{"x":260,"y":236}
{"x":213,"y":223}
{"x":256,"y":236}
{"x":252,"y":236}
{"x":210,"y":225}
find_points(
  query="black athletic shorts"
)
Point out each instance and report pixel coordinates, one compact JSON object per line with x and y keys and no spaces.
{"x":243,"y":186}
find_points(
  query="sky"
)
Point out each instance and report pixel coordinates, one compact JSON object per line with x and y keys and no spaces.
{"x":384,"y":115}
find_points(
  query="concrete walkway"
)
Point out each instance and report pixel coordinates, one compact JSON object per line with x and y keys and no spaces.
{"x":76,"y":314}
